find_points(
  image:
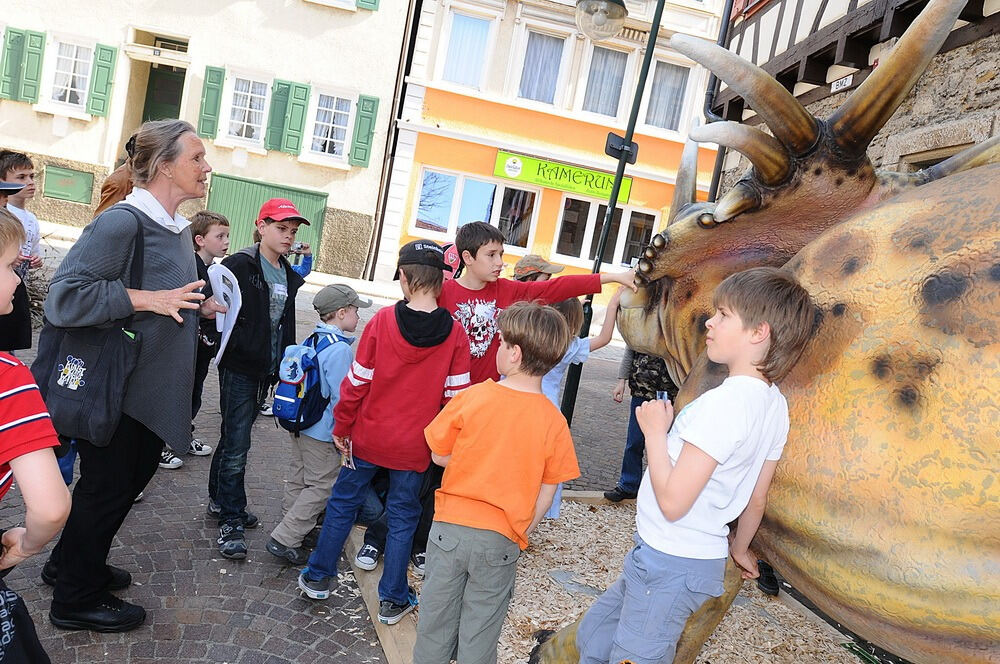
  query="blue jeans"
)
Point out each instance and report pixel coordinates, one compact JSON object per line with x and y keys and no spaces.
{"x":635,"y":445}
{"x":402,"y":506}
{"x":239,"y":399}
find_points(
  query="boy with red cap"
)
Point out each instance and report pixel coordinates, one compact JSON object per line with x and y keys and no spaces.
{"x":248,"y":366}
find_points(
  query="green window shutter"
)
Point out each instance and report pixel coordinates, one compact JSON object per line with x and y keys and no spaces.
{"x":364,"y":131}
{"x":295,"y":118}
{"x":10,"y":65}
{"x":276,"y":115}
{"x":211,"y":102}
{"x":368,"y":4}
{"x":102,"y":75}
{"x":31,"y":68}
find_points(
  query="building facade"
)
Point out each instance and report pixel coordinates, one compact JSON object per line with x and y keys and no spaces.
{"x":292,"y":99}
{"x":504,"y":119}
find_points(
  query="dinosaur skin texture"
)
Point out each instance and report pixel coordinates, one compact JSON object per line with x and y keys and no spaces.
{"x":885,"y":506}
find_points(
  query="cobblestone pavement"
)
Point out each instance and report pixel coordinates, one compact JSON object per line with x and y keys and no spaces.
{"x":204,"y":608}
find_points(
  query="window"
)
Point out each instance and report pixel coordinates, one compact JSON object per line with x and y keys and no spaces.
{"x":248,"y":110}
{"x":581,"y":224}
{"x":331,"y":126}
{"x":542,"y":60}
{"x":449,"y":201}
{"x":604,"y":83}
{"x":467,"y":45}
{"x":71,"y":75}
{"x":666,"y":95}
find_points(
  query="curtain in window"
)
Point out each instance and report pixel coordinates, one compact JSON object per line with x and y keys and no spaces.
{"x":466,"y":50}
{"x":541,"y":67}
{"x":573,"y":227}
{"x":247,"y":114}
{"x":666,"y":97}
{"x":515,"y":216}
{"x":604,"y":84}
{"x":609,"y":248}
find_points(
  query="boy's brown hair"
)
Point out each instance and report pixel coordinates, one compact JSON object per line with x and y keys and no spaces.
{"x":423,"y":278}
{"x":11,"y":230}
{"x":202,"y":221}
{"x":10,"y":160}
{"x":773,"y":296}
{"x":474,"y":235}
{"x":541,"y":333}
{"x":572,"y":311}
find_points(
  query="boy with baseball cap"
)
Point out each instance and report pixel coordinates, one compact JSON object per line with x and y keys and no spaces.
{"x":314,"y":460}
{"x":412,"y":358}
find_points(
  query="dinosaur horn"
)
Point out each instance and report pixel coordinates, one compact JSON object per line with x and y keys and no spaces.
{"x":737,"y":200}
{"x":768,"y":156}
{"x":987,"y":152}
{"x":856,"y":122}
{"x":785,"y":116}
{"x":687,"y":180}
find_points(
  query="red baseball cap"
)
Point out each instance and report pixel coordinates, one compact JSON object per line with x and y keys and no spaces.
{"x":280,"y":209}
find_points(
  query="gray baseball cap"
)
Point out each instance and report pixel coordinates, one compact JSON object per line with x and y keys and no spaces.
{"x":337,"y":296}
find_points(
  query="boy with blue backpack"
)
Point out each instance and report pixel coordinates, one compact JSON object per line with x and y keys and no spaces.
{"x":309,"y":387}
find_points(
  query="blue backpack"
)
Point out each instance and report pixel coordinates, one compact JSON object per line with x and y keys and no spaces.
{"x":298,"y":399}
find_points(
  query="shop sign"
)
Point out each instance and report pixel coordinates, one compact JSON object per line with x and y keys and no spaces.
{"x":557,"y":175}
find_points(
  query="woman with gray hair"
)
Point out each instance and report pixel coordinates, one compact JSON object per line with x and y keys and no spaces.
{"x":89,"y":289}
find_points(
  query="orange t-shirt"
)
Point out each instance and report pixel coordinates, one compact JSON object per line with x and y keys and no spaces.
{"x":504,"y":444}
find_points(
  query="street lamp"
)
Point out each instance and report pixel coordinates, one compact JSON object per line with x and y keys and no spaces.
{"x":601,"y":19}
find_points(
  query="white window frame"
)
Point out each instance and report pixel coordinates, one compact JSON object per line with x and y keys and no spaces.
{"x":588,"y":235}
{"x":222,"y":137}
{"x":689,"y":107}
{"x":629,"y":81}
{"x":456,"y":204}
{"x":307,"y":155}
{"x":46,"y":104}
{"x":516,"y":68}
{"x":349,"y":5}
{"x":441,"y":55}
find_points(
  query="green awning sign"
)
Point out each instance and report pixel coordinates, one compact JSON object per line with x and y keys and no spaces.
{"x":557,"y":175}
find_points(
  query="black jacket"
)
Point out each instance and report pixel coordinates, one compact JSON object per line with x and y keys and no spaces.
{"x":249,"y":348}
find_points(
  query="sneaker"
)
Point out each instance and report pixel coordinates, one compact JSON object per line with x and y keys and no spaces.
{"x":232,"y":542}
{"x":390,"y":613}
{"x":169,"y":460}
{"x":418,"y":560}
{"x":249,"y":522}
{"x":266,"y":410}
{"x":367,"y":558}
{"x":618,"y":494}
{"x":199,"y":448}
{"x":294,"y":555}
{"x":314,"y":589}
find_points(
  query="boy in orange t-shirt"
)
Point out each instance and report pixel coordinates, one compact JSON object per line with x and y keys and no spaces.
{"x":505,"y":448}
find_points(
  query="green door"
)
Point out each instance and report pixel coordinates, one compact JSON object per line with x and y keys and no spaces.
{"x":163,"y":94}
{"x":240,"y":200}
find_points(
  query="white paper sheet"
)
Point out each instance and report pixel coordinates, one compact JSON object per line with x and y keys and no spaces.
{"x":226,"y":291}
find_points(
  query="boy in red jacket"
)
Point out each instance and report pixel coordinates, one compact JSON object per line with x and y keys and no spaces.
{"x":412,"y":359}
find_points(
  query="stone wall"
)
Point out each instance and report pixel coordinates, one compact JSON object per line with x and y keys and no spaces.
{"x":345,"y":242}
{"x":60,"y":211}
{"x":956,"y":102}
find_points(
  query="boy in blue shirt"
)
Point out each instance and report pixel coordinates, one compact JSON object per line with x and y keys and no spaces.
{"x":314,"y":461}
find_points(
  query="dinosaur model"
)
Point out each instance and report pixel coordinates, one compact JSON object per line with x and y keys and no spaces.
{"x":885,"y":506}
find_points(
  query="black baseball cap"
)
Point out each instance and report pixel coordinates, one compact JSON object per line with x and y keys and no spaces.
{"x":421,"y":252}
{"x":10,"y":188}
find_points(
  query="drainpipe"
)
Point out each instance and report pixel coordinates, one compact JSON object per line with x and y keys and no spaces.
{"x":710,"y":92}
{"x":405,"y":58}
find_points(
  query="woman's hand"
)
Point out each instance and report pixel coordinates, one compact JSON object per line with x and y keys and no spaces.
{"x":13,"y":553}
{"x":619,"y":392}
{"x":168,"y":302}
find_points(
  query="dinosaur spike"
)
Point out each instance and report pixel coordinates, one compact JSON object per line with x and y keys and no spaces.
{"x":649,"y":253}
{"x":987,"y":152}
{"x":791,"y":124}
{"x":737,"y":200}
{"x":645,"y":265}
{"x":856,"y":122}
{"x":659,"y":241}
{"x":687,"y":180}
{"x":768,"y":156}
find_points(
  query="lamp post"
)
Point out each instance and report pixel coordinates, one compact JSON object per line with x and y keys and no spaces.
{"x":599,"y":20}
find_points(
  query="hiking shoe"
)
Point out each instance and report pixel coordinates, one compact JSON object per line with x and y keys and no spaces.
{"x":367,"y":558}
{"x":169,"y":460}
{"x":314,"y":589}
{"x":294,"y":555}
{"x":250,"y":521}
{"x":266,"y":410}
{"x":418,"y":560}
{"x":198,"y":448}
{"x":390,"y":613}
{"x":619,"y":494}
{"x":232,"y":542}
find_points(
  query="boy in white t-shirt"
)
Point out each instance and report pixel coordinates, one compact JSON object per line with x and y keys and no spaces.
{"x":713,"y":466}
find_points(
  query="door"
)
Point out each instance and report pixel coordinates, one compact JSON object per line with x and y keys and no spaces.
{"x":163,"y":93}
{"x":240,"y":199}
